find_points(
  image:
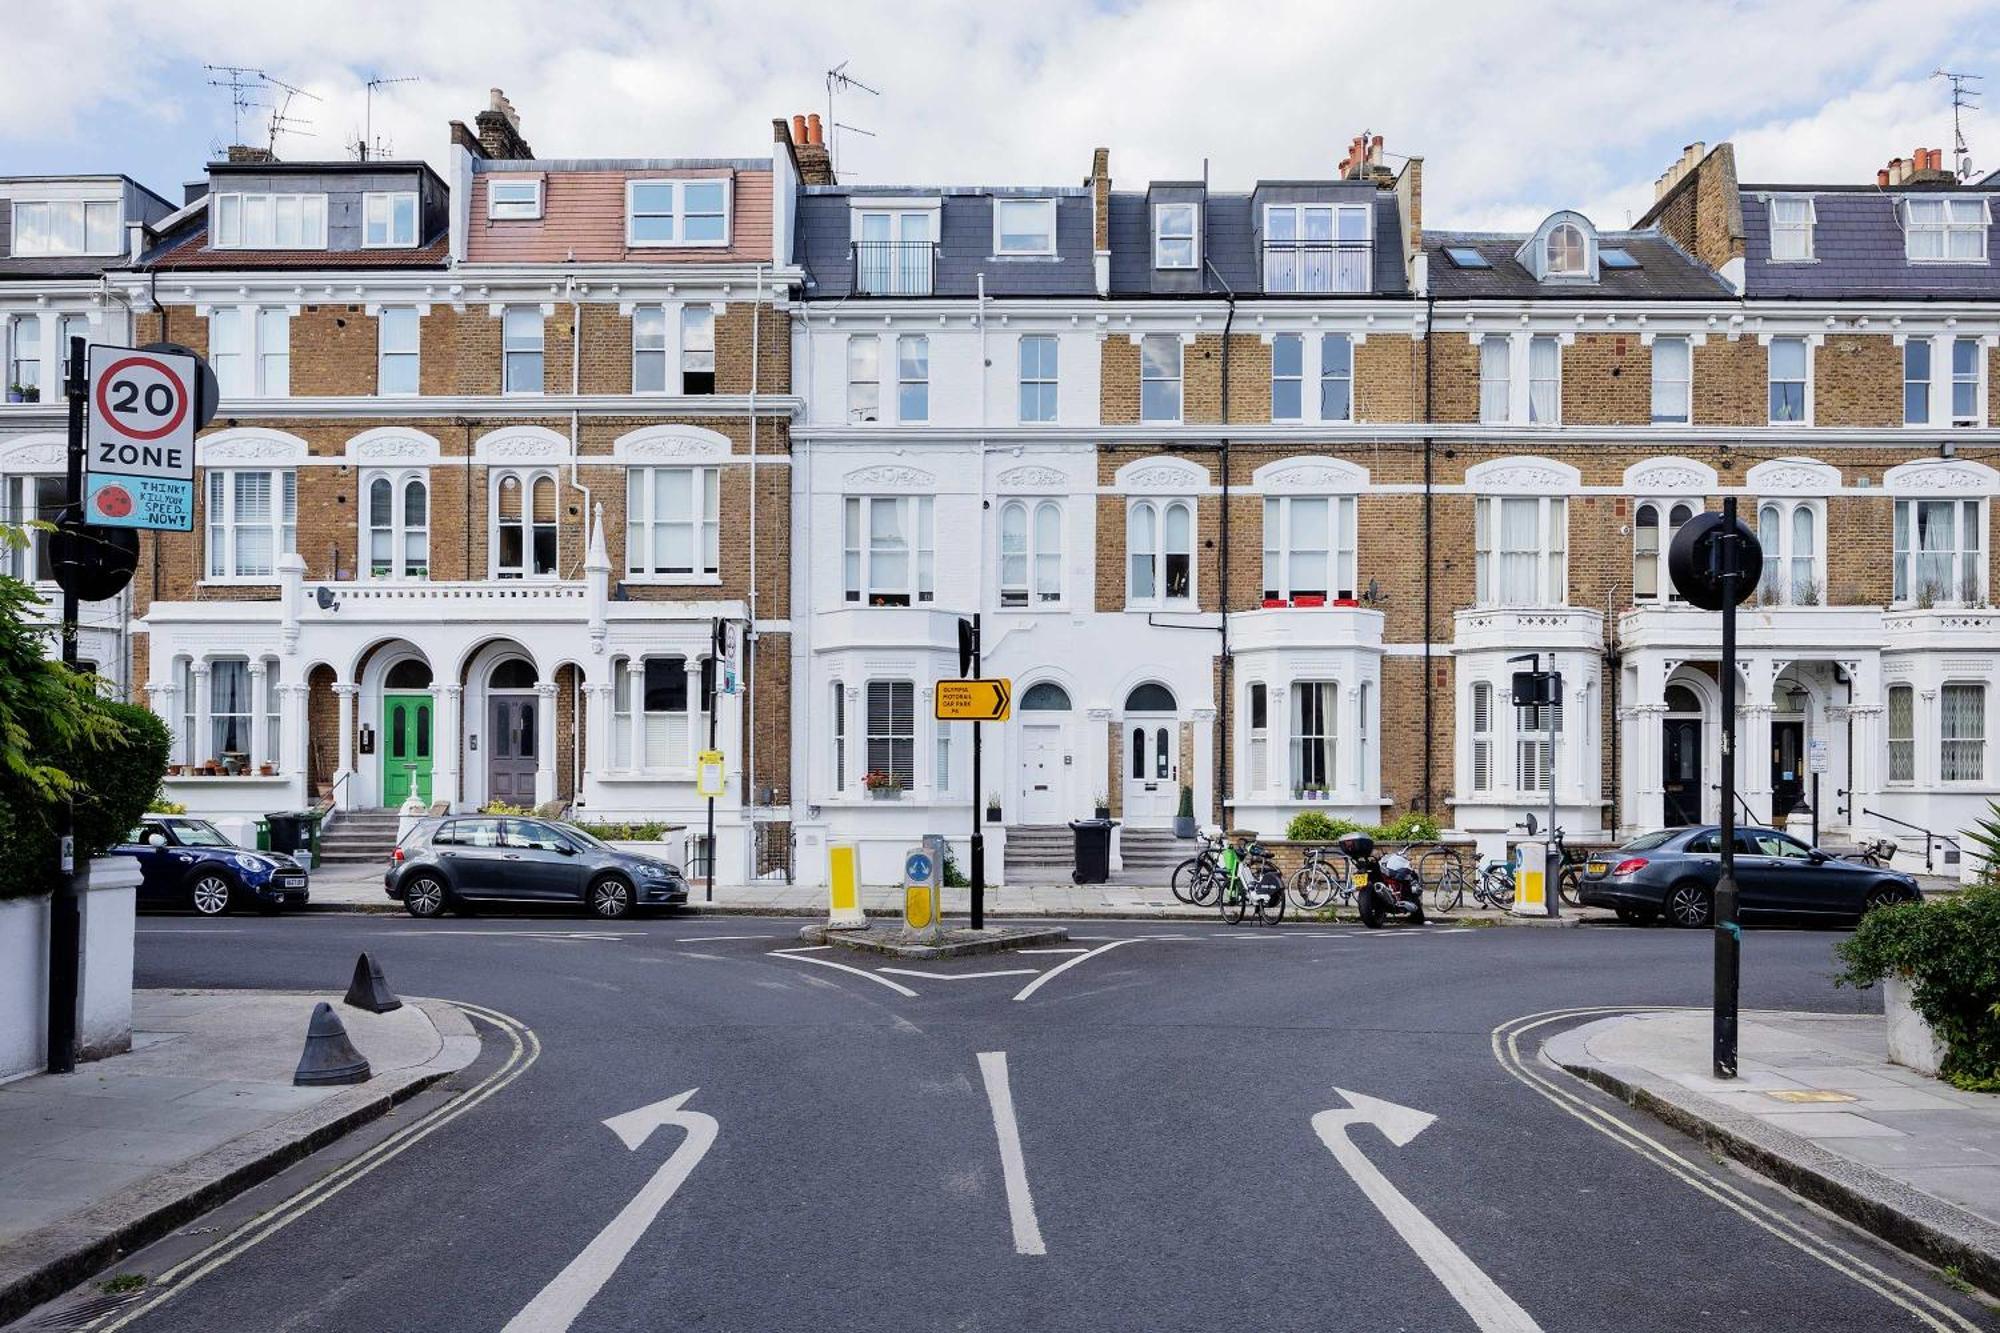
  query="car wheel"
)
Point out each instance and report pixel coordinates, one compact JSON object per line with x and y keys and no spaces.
{"x":1883,"y":897}
{"x":425,"y":896}
{"x":610,"y":898}
{"x":210,"y":895}
{"x":1690,"y":904}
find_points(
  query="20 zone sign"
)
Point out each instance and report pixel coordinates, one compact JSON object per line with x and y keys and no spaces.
{"x":140,"y":446}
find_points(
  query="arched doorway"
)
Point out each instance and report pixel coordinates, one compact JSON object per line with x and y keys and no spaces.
{"x":1150,"y":755}
{"x":408,"y":740}
{"x":1680,"y":751}
{"x":1044,"y":709}
{"x":511,"y":756}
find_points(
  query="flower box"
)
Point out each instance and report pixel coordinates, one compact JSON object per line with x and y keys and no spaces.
{"x":884,"y":793}
{"x":1347,"y":601}
{"x":1273,"y":603}
{"x":1308,"y":601}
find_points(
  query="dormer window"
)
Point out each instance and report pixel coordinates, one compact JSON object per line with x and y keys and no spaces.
{"x":268,"y":222}
{"x":517,"y":198}
{"x":1567,"y":254}
{"x":1792,"y":229}
{"x":1945,"y":230}
{"x":389,"y":219}
{"x":677,"y":212}
{"x":1024,"y":226}
{"x":1316,"y":248}
{"x":66,"y":227}
{"x":1176,"y":236}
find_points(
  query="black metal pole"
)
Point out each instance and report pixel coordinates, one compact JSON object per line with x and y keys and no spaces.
{"x":1728,"y":934}
{"x":1815,"y":808}
{"x":715,"y":640}
{"x":65,"y":921}
{"x":978,"y":837}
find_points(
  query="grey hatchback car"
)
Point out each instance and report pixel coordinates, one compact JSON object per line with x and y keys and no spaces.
{"x":465,"y":859}
{"x":1672,"y":872}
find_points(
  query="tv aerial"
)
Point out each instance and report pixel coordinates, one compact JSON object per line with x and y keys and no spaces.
{"x":838,"y":80}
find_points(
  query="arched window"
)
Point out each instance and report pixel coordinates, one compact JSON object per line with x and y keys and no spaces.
{"x":1566,"y":251}
{"x":513,"y":674}
{"x":408,"y":674}
{"x":1047,"y":697}
{"x":1150,"y":698}
{"x":1681,"y":699}
{"x":1788,"y":530}
{"x":1159,"y":546}
{"x":398,"y":521}
{"x":1030,"y":553}
{"x":524,"y":524}
{"x":1646,"y":553}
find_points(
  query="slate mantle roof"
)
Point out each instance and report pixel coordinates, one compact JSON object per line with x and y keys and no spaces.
{"x":1858,"y":248}
{"x":1665,"y":273}
{"x":965,"y":237}
{"x":1229,"y":247}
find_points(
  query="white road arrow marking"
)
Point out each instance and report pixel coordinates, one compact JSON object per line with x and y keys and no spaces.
{"x":1492,"y":1309}
{"x":559,"y":1303}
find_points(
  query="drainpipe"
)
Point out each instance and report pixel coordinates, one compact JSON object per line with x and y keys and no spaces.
{"x":1430,"y":551}
{"x":1227,"y":691}
{"x":575,"y":390}
{"x":1614,"y":660}
{"x":750,"y":631}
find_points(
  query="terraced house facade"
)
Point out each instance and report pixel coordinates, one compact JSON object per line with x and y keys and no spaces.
{"x":1258,"y":493}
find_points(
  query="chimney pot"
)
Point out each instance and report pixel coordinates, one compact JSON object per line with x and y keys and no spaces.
{"x":813,"y":128}
{"x":798,"y":129}
{"x":1882,"y":179}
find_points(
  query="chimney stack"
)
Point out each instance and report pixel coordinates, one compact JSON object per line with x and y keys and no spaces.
{"x":239,"y":152}
{"x":808,"y":143}
{"x":1925,"y":166}
{"x":500,"y":131}
{"x":1689,"y":159}
{"x":1364,"y":161}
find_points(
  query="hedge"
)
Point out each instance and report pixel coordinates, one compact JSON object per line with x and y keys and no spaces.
{"x":115,"y":784}
{"x":1949,"y":949}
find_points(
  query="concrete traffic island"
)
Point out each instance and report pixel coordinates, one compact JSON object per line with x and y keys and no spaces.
{"x":955,"y":942}
{"x":1818,"y":1107}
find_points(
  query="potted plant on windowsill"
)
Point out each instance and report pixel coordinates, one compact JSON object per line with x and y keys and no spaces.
{"x":993,"y":809}
{"x":880,"y":786}
{"x":24,"y":393}
{"x":1184,"y":817}
{"x":267,"y":771}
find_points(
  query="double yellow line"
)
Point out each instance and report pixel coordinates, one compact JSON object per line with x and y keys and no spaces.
{"x":1507,"y":1039}
{"x":524,"y":1049}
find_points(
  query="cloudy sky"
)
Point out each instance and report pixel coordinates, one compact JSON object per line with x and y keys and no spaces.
{"x":1517,"y":108}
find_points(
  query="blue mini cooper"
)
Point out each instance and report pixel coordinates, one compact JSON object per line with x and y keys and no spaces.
{"x":187,"y":862}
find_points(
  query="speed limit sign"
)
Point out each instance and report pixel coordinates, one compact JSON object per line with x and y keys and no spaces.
{"x":145,"y":405}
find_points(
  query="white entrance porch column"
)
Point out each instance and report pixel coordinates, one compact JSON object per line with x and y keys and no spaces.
{"x":596,"y":728}
{"x":1869,"y":739}
{"x":343,"y":772}
{"x":160,"y":698}
{"x":1753,"y":737}
{"x":260,"y":728}
{"x":1202,"y":780}
{"x":447,"y":743}
{"x":545,"y":743}
{"x":292,"y":733}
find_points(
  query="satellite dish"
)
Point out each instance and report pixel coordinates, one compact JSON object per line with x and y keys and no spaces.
{"x":324,"y":596}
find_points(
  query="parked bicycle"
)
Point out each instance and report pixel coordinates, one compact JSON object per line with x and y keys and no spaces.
{"x":1324,"y":879}
{"x":1491,"y":885}
{"x":1874,"y":852}
{"x":1251,"y":881}
{"x":1198,"y":879}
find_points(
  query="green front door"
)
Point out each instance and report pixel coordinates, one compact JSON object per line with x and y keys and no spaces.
{"x":406,"y":747}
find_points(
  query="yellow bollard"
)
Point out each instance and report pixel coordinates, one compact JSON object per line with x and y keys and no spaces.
{"x":1531,"y":880}
{"x":844,"y":888}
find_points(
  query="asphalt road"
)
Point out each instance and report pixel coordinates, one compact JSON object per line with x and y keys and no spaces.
{"x":1163,"y":1098}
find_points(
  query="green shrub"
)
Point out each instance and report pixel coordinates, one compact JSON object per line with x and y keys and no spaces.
{"x":1412,"y":827}
{"x":113,"y":772}
{"x":1949,"y":950}
{"x":617,"y":832}
{"x":954,"y":878}
{"x":502,"y":808}
{"x":1985,"y":836}
{"x":1312,"y":826}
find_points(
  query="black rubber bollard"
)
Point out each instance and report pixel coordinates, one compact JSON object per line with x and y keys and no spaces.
{"x":368,"y":990}
{"x":329,"y":1056}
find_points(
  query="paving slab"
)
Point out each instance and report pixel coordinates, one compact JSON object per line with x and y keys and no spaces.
{"x":1907,"y":1157}
{"x":100,"y":1161}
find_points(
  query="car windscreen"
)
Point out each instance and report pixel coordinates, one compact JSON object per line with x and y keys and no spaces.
{"x":1646,"y":842}
{"x":577,"y":835}
{"x":198,"y":833}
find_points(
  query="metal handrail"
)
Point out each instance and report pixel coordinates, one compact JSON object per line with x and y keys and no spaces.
{"x":1930,"y":866}
{"x":1749,"y":815}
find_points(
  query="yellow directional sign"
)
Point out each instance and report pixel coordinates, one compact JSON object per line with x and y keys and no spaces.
{"x":974,"y":700}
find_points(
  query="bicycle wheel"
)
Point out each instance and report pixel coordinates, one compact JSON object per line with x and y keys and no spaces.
{"x":1569,"y":883}
{"x":1207,"y":883}
{"x":1496,"y":888}
{"x":1312,"y":886}
{"x":1186,"y":875}
{"x":1273,"y":910}
{"x":1449,"y":890}
{"x":1232,"y":902}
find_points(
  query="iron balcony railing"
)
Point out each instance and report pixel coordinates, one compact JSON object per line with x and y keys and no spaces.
{"x":895,"y":268}
{"x":1318,"y":266}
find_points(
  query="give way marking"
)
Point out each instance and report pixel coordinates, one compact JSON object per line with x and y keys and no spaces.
{"x":559,"y":1303}
{"x":1492,"y":1309}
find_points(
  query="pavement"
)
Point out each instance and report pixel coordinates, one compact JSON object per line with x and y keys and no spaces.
{"x":113,"y":1156}
{"x":354,"y":888}
{"x":1818,"y":1106}
{"x":1165,"y":1125}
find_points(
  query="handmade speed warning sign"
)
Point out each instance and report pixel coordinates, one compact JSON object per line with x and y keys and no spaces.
{"x":145,"y":406}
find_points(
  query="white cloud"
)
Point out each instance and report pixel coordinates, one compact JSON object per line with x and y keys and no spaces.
{"x":1517,"y":108}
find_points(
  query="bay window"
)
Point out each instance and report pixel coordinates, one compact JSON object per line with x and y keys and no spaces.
{"x":24,"y":499}
{"x":252,"y":519}
{"x":24,"y":364}
{"x":888,"y":551}
{"x":1788,"y":530}
{"x":1902,"y":733}
{"x":1939,"y":553}
{"x":839,"y":716}
{"x":1519,"y":554}
{"x":1673,"y":378}
{"x":1482,"y":736}
{"x":673,"y":525}
{"x":1159,"y":549}
{"x":1288,"y":357}
{"x":230,"y":709}
{"x":1336,"y":377}
{"x":397,"y":351}
{"x":1962,"y":733}
{"x":1536,"y":728}
{"x":524,"y":524}
{"x":892,"y":732}
{"x":659,"y":711}
{"x":1309,"y":546}
{"x":1314,"y":734}
{"x":1160,"y":377}
{"x":1651,"y":540}
{"x":1030,"y":553}
{"x":398,"y":526}
{"x":1260,"y":735}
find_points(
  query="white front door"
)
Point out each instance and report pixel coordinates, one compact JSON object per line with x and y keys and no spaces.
{"x":1041,"y":775}
{"x":1151,"y":787}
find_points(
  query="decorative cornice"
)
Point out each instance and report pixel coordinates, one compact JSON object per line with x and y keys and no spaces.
{"x":1033,"y":477}
{"x":888,"y":477}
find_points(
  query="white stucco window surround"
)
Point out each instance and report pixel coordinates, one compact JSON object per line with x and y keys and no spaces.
{"x":1520,"y":530}
{"x":1161,"y":531}
{"x":1666,"y":494}
{"x":1940,"y":550}
{"x":1310,"y":519}
{"x":249,"y":502}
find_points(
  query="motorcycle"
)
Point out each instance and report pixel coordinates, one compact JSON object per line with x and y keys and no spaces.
{"x":1385,"y":885}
